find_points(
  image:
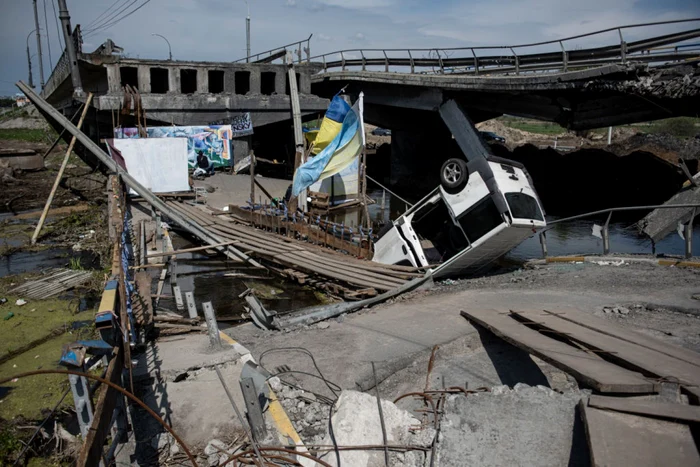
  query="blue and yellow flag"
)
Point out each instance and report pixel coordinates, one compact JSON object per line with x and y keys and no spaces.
{"x":339,"y":148}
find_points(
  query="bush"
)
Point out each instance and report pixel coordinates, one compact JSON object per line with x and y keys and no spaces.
{"x":682,"y":127}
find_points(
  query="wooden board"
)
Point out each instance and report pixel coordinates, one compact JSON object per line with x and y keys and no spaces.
{"x":613,"y":329}
{"x":629,"y":354}
{"x":590,"y":370}
{"x":686,"y":413}
{"x":617,"y":439}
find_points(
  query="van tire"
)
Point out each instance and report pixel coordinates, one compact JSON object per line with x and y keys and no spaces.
{"x":454,"y":175}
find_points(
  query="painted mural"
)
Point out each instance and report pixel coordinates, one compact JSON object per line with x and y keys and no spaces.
{"x":213,"y":140}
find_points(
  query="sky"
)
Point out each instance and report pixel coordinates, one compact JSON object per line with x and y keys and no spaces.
{"x":215,"y":29}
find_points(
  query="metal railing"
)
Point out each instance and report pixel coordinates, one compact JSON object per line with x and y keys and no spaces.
{"x":605,"y":230}
{"x":271,"y":55}
{"x":62,"y":69}
{"x":466,"y":60}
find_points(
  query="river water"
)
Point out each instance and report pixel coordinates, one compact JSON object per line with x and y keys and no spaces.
{"x":570,"y":238}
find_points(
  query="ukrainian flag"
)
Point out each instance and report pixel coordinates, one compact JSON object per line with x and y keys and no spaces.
{"x":339,"y":149}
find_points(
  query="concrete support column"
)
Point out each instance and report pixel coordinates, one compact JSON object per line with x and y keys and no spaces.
{"x":230,"y":82}
{"x":241,"y":148}
{"x":254,"y":80}
{"x":174,"y":81}
{"x":144,"y":76}
{"x":202,"y":81}
{"x":304,"y":83}
{"x":280,"y":82}
{"x":113,"y":79}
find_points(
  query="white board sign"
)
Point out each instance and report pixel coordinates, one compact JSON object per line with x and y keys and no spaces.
{"x":159,"y":164}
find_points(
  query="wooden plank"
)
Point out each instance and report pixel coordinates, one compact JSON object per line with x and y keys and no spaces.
{"x":598,"y":374}
{"x":92,"y":449}
{"x":190,"y":250}
{"x":623,"y":352}
{"x":617,"y":439}
{"x":649,"y":408}
{"x":613,"y":329}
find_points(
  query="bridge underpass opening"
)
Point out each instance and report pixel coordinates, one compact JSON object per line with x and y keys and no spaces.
{"x":188,"y":81}
{"x":160,"y":80}
{"x":216,"y":81}
{"x":129,"y":75}
{"x":242,"y":82}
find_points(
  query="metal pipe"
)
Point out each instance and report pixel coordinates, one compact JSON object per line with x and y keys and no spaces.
{"x":630,"y":208}
{"x":38,"y":45}
{"x":70,"y":48}
{"x":187,"y":224}
{"x":29,"y":60}
{"x":170,"y":51}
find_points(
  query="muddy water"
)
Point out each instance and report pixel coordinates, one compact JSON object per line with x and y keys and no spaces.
{"x":566,"y":239}
{"x":213,"y":279}
{"x":28,"y":261}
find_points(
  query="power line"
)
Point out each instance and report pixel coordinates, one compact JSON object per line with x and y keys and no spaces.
{"x":94,"y":21}
{"x":106,"y":26}
{"x":114,"y":18}
{"x":58,"y":29}
{"x":48,"y":42}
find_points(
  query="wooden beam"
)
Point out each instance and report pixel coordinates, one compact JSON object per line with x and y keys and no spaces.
{"x":190,"y":250}
{"x":622,"y":439}
{"x":686,"y":413}
{"x":598,"y":374}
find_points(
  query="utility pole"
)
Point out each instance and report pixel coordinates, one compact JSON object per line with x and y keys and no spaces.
{"x":38,"y":45}
{"x":70,"y":48}
{"x":29,"y":62}
{"x":247,"y":33}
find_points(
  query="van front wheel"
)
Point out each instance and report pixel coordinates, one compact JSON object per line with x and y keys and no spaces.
{"x":454,"y":175}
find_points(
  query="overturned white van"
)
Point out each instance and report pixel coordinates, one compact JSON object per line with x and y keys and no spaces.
{"x":483,"y":209}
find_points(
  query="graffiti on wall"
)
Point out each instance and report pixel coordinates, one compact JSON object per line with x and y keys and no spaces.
{"x":213,"y":140}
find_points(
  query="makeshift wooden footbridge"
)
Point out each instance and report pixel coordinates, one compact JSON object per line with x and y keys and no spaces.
{"x":305,"y":262}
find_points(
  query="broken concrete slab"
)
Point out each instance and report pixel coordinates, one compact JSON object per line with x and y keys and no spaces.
{"x":661,"y":222}
{"x":356,"y":422}
{"x":520,"y":427}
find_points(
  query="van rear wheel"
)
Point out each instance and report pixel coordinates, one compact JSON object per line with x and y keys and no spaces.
{"x":454,"y":175}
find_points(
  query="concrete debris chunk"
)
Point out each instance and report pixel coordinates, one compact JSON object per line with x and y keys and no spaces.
{"x":356,"y":422}
{"x":524,"y":426}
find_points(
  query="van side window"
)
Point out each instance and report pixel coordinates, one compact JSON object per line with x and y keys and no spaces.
{"x":481,"y":219}
{"x":524,"y":206}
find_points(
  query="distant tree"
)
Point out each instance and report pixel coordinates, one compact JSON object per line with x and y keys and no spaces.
{"x":7,"y":101}
{"x":683,"y":127}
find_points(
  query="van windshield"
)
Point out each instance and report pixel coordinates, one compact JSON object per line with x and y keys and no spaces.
{"x":524,"y":206}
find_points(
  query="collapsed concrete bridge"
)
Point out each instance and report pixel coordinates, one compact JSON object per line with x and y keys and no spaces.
{"x":657,"y":77}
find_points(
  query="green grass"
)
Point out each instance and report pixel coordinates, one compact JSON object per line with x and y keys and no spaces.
{"x":25,"y":134}
{"x":682,"y":127}
{"x":33,"y":321}
{"x":28,"y":397}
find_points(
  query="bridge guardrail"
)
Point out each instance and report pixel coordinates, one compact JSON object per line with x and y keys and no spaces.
{"x":605,"y":232}
{"x":279,"y":52}
{"x":465,"y":60}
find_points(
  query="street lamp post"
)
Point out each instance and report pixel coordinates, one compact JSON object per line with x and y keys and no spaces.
{"x":170,"y":51}
{"x":29,"y":61}
{"x":247,"y":33}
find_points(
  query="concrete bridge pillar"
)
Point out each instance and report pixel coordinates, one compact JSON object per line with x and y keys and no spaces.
{"x":202,"y":81}
{"x":255,"y":80}
{"x":113,"y":79}
{"x":280,"y":82}
{"x":144,"y":76}
{"x":174,"y":81}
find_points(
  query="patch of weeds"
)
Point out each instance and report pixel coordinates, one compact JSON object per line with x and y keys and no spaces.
{"x":75,"y":265}
{"x":9,"y":445}
{"x":25,"y":134}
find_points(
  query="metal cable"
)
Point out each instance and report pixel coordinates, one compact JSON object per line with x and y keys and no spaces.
{"x":247,"y":429}
{"x":381,"y":416}
{"x":323,"y":378}
{"x":48,"y":42}
{"x":120,"y":19}
{"x":115,"y":387}
{"x":289,"y":451}
{"x":58,"y":28}
{"x":41,"y":425}
{"x":102,"y":15}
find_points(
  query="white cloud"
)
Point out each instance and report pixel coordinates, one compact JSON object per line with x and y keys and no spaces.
{"x":291,"y":3}
{"x":323,"y":37}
